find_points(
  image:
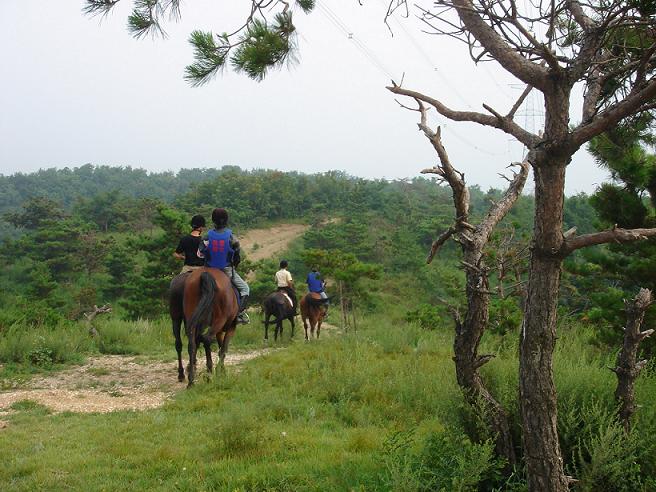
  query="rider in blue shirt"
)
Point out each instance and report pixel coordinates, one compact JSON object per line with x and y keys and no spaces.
{"x":316,"y":284}
{"x":221,"y":250}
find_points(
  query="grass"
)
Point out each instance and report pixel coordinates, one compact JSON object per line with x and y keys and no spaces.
{"x":373,"y":410}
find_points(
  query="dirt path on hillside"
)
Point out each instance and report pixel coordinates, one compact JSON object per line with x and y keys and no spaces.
{"x":259,"y":244}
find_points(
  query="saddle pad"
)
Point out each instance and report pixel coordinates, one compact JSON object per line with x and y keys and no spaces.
{"x":289,"y":299}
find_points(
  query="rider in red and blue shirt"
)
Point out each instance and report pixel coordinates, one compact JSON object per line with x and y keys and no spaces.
{"x":221,"y":250}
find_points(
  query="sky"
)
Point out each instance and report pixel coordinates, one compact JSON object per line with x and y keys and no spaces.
{"x":77,"y":90}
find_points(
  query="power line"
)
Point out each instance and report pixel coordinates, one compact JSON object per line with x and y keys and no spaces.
{"x":359,"y":44}
{"x":428,"y":59}
{"x":376,"y":62}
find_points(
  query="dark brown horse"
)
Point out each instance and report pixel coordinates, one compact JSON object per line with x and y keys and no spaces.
{"x":313,"y":310}
{"x":209,"y":300}
{"x":277,"y":305}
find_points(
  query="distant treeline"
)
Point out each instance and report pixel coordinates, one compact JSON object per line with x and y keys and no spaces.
{"x":106,"y":233}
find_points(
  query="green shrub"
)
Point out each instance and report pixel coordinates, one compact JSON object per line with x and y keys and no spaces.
{"x":444,"y":461}
{"x":427,"y":316}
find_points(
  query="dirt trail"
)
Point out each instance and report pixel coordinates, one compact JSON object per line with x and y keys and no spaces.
{"x":114,"y":382}
{"x":259,"y":244}
{"x":111,"y":382}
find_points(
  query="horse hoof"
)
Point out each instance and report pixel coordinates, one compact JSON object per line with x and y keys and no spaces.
{"x":181,"y":378}
{"x":190,"y":384}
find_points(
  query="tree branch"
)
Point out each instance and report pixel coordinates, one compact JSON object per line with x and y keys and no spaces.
{"x":524,"y":70}
{"x":504,"y":124}
{"x":613,"y":115}
{"x":499,"y":210}
{"x":614,"y":235}
{"x":437,"y":244}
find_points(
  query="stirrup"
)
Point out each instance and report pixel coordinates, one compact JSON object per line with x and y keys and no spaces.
{"x":243,"y":318}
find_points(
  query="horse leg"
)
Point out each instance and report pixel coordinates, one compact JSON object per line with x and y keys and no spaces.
{"x":319,"y":325}
{"x":292,"y":321}
{"x":267,"y":317}
{"x":278,"y":330}
{"x":305,"y":327}
{"x":191,"y":347}
{"x":177,"y":326}
{"x":208,"y":354}
{"x":224,"y":345}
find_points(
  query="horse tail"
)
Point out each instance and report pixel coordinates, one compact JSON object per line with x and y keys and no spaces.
{"x":203,"y":313}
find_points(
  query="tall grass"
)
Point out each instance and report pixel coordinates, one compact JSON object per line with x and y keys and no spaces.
{"x":373,"y":410}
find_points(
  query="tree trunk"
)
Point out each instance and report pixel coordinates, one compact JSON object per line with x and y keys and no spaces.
{"x":628,"y":367}
{"x":538,"y":336}
{"x":467,"y":360}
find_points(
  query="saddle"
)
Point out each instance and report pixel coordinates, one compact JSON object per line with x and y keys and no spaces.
{"x":285,"y":299}
{"x":315,"y":298}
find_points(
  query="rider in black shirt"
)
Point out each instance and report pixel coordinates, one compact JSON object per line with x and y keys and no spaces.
{"x":187,"y":249}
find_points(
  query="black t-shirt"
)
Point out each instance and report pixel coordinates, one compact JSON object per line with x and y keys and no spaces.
{"x":189,"y":246}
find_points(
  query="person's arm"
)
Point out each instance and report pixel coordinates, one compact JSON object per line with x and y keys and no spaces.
{"x":290,"y":281}
{"x":178,"y":253}
{"x":234,"y":243}
{"x":202,"y":249}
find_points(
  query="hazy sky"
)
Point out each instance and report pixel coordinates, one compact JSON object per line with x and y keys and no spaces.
{"x":75,"y":90}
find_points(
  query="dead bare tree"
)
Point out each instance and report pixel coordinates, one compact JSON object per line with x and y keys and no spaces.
{"x":628,"y":366}
{"x":473,"y":239}
{"x":91,"y":315}
{"x":553,"y":46}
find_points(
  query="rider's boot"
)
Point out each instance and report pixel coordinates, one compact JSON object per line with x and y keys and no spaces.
{"x":242,"y":317}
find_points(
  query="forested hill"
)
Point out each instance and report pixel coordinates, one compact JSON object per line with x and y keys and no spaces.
{"x":85,"y":225}
{"x":67,"y":185}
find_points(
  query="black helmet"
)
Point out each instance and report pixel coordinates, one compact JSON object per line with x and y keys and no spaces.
{"x":220,"y":217}
{"x":284,"y":264}
{"x":197,"y":221}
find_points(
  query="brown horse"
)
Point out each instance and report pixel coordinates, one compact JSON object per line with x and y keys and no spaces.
{"x":313,"y":311}
{"x":209,"y":300}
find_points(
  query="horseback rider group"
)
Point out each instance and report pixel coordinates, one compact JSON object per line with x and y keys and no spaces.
{"x":220,"y":249}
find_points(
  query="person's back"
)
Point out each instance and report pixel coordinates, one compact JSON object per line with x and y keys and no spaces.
{"x":221,"y":251}
{"x":188,"y":246}
{"x":220,"y":248}
{"x":314,"y":282}
{"x":285,"y":283}
{"x":317,"y":285}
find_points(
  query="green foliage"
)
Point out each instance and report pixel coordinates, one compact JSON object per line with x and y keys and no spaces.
{"x":427,"y":316}
{"x":147,"y":288}
{"x":37,"y":212}
{"x":445,"y":461}
{"x":505,"y":315}
{"x":209,"y":56}
{"x":601,"y":277}
{"x":263,"y":46}
{"x":42,"y":347}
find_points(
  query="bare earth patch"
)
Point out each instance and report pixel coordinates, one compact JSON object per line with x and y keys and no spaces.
{"x":109,"y":383}
{"x":265,"y":243}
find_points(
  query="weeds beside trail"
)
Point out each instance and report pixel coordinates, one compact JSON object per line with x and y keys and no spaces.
{"x":376,"y":410}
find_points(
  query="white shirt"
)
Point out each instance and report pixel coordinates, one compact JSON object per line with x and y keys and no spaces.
{"x":283,"y":277}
